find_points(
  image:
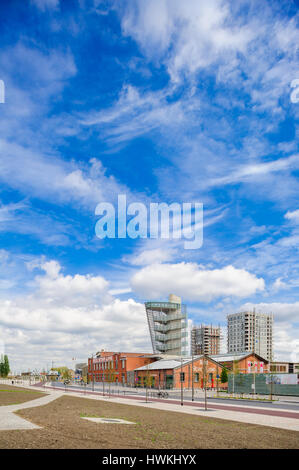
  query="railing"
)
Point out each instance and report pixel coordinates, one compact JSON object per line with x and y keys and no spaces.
{"x":167,"y":318}
{"x":168,"y":305}
{"x":173,"y":326}
{"x":179,"y":334}
{"x":168,"y":346}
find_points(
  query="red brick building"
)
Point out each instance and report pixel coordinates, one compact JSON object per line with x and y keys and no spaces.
{"x":116,"y":367}
{"x":168,"y":373}
{"x":243,"y":363}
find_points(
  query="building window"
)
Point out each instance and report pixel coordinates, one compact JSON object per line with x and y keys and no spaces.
{"x":182,"y":376}
{"x":196,"y":378}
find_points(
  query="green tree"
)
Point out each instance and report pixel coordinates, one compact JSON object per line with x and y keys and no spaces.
{"x":224,"y":376}
{"x":1,"y":366}
{"x":4,"y":366}
{"x":64,"y":372}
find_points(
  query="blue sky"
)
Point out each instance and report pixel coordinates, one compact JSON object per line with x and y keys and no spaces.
{"x":164,"y":101}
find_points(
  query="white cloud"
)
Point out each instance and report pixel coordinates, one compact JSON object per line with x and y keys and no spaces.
{"x":279,"y":284}
{"x":53,"y":179}
{"x":44,"y":5}
{"x":293,"y":215}
{"x":285,"y":331}
{"x":246,"y":172}
{"x":187,"y":35}
{"x":69,"y":315}
{"x":286,"y":343}
{"x":283,"y":312}
{"x":151,"y":256}
{"x":137,"y":112}
{"x":194,"y":283}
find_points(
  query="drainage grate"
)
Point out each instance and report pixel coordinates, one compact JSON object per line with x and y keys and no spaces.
{"x":108,"y":420}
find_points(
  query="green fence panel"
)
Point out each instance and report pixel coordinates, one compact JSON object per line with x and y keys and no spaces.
{"x":243,"y":383}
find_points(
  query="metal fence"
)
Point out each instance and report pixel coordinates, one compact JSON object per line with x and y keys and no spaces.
{"x":264,"y":384}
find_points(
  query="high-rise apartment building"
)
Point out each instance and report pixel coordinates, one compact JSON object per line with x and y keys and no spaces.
{"x":205,"y":340}
{"x":250,"y":331}
{"x":167,"y":323}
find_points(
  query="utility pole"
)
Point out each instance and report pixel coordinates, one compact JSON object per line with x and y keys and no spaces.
{"x":181,"y":377}
{"x":270,"y":365}
{"x":92,"y":371}
{"x":146,"y":383}
{"x":271,"y":376}
{"x":192,"y":379}
{"x":205,"y":380}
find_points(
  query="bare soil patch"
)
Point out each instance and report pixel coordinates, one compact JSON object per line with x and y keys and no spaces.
{"x":11,"y":395}
{"x":64,"y":428}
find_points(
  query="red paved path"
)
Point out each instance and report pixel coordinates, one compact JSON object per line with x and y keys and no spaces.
{"x":283,"y":414}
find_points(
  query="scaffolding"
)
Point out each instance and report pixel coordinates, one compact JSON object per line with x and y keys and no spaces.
{"x":205,"y":339}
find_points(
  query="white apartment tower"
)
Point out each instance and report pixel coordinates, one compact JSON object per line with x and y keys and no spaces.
{"x":250,"y":332}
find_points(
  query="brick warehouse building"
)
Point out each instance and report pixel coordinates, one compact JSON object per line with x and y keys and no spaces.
{"x":116,"y":367}
{"x":167,"y":373}
{"x":242,"y":363}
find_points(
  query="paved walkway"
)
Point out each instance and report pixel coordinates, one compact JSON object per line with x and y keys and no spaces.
{"x":254,"y":415}
{"x":277,"y":418}
{"x":10,"y":421}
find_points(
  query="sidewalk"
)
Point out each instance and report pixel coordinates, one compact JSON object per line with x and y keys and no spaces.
{"x":260,"y":416}
{"x":277,"y":418}
{"x":10,"y":421}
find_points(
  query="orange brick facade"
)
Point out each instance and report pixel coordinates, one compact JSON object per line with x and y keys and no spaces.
{"x":114,"y":366}
{"x":247,"y":365}
{"x":170,"y":378}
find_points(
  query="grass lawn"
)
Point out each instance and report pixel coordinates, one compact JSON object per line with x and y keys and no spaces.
{"x":64,"y":428}
{"x":10,"y":395}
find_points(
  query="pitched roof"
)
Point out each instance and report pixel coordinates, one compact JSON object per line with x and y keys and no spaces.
{"x":163,"y":364}
{"x":234,"y":357}
{"x":172,"y":363}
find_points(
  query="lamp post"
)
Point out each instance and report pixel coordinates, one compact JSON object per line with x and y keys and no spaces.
{"x":181,"y":377}
{"x":192,"y":379}
{"x":271,"y":376}
{"x":92,"y":371}
{"x":205,"y":380}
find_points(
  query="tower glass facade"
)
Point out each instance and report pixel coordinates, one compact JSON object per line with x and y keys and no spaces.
{"x":167,"y":323}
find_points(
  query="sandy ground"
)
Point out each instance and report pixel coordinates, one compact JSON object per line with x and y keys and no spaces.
{"x":11,"y":395}
{"x":64,"y":428}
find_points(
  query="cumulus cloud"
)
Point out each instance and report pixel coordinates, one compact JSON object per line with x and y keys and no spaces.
{"x":293,"y":215}
{"x":67,"y":316}
{"x":195,"y":283}
{"x":283,"y":312}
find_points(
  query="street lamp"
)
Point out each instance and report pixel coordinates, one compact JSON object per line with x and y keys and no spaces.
{"x":181,"y":377}
{"x":205,"y":380}
{"x":192,"y":380}
{"x":92,"y":371}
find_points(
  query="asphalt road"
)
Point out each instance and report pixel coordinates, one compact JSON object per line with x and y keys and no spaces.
{"x":283,"y":405}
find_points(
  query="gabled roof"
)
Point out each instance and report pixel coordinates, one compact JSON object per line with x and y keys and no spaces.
{"x":235,"y":357}
{"x":163,"y":364}
{"x":172,"y":363}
